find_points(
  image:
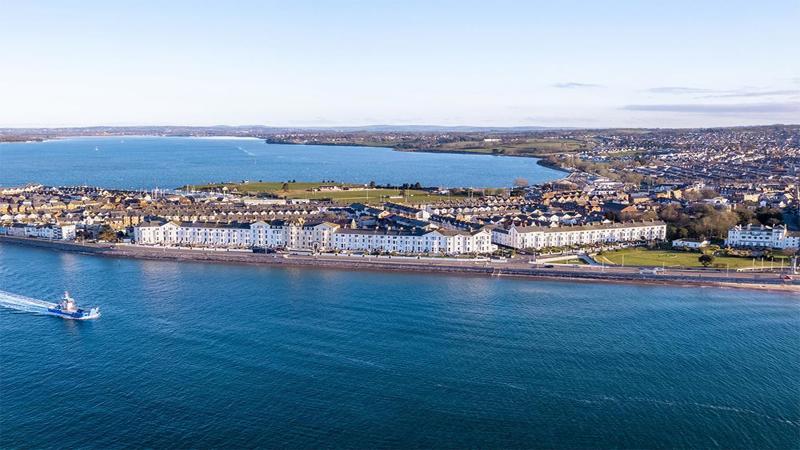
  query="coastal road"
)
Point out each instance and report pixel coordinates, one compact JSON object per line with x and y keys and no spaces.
{"x":516,"y":267}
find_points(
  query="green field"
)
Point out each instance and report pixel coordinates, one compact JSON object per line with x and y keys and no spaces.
{"x":529,"y":147}
{"x":670,"y":258}
{"x":354,"y":193}
{"x":256,"y":187}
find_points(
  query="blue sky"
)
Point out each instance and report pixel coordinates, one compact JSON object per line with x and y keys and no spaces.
{"x":499,"y":63}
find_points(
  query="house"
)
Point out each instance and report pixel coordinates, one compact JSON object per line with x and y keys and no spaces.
{"x":416,"y":213}
{"x":537,"y":237}
{"x":316,"y":236}
{"x":762,"y":236}
{"x":689,"y":243}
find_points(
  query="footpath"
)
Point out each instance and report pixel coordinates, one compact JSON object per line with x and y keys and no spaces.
{"x":479,"y":266}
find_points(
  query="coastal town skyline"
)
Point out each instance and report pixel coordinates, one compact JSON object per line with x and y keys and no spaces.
{"x":410,"y":63}
{"x":400,"y":224}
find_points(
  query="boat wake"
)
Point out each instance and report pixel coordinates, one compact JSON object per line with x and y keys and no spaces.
{"x":246,"y":152}
{"x":21,"y":303}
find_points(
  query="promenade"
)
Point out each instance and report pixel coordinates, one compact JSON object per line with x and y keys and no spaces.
{"x":483,"y":267}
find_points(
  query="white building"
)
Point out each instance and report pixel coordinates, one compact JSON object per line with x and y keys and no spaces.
{"x":762,"y":236}
{"x":16,"y":229}
{"x":536,"y":237}
{"x":689,"y":243}
{"x":316,"y":236}
{"x":51,"y":231}
{"x":450,"y":242}
{"x":233,"y":235}
{"x":299,"y":235}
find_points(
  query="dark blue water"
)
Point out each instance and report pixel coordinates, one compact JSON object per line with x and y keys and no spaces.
{"x":148,"y":162}
{"x":204,"y":355}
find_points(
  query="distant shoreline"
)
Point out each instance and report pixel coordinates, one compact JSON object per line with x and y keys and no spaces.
{"x":370,"y":264}
{"x":543,"y":162}
{"x":539,"y":160}
{"x":269,"y":142}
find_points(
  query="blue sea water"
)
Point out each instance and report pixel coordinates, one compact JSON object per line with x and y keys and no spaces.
{"x":170,"y":162}
{"x":212,"y":355}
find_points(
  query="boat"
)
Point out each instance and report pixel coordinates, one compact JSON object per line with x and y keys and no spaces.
{"x":67,"y":309}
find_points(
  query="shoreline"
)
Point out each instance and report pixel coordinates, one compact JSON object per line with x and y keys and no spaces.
{"x":541,"y":161}
{"x":691,"y":279}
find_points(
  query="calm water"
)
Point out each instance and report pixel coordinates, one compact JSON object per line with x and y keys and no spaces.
{"x":222,"y":355}
{"x":148,"y":162}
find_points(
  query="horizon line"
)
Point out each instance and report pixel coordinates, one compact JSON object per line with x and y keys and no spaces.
{"x":389,"y":127}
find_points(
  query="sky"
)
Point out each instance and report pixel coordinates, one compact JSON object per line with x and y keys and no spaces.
{"x":334,"y":63}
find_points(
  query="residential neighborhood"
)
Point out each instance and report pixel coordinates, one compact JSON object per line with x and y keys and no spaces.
{"x":581,"y":212}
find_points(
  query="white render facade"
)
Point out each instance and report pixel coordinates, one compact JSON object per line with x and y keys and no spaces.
{"x":542,"y":237}
{"x":448,"y":242}
{"x":322,"y":236}
{"x":52,"y":231}
{"x":762,"y":237}
{"x":283,"y":234}
{"x":689,"y":243}
{"x":202,"y":234}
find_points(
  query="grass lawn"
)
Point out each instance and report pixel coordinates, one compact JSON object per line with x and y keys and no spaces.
{"x":367,"y":196}
{"x":356,"y":193}
{"x":530,"y":147}
{"x":266,"y":186}
{"x":670,"y":258}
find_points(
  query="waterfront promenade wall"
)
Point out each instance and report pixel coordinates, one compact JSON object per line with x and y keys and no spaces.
{"x":429,"y":265}
{"x":68,"y":246}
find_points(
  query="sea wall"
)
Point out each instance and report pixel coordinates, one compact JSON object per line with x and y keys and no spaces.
{"x":478,"y":267}
{"x":56,"y":245}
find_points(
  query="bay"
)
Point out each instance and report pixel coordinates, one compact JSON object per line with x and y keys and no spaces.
{"x":170,"y":162}
{"x":213,"y":355}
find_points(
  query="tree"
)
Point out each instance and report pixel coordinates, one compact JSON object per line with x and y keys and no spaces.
{"x":706,"y":260}
{"x":745,"y":216}
{"x":285,"y":187}
{"x":789,"y":251}
{"x":769,"y":216}
{"x":708,"y":193}
{"x":107,"y":234}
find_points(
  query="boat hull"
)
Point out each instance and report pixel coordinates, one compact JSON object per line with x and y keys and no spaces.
{"x":77,"y":315}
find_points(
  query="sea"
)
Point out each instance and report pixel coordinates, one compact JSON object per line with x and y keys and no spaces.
{"x":199,"y":355}
{"x":212,"y":355}
{"x":171,"y":162}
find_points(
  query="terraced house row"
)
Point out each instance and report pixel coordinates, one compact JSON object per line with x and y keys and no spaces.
{"x":537,"y":237}
{"x":314,"y":236}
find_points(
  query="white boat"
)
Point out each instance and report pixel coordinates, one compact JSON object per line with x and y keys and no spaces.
{"x":68,"y":309}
